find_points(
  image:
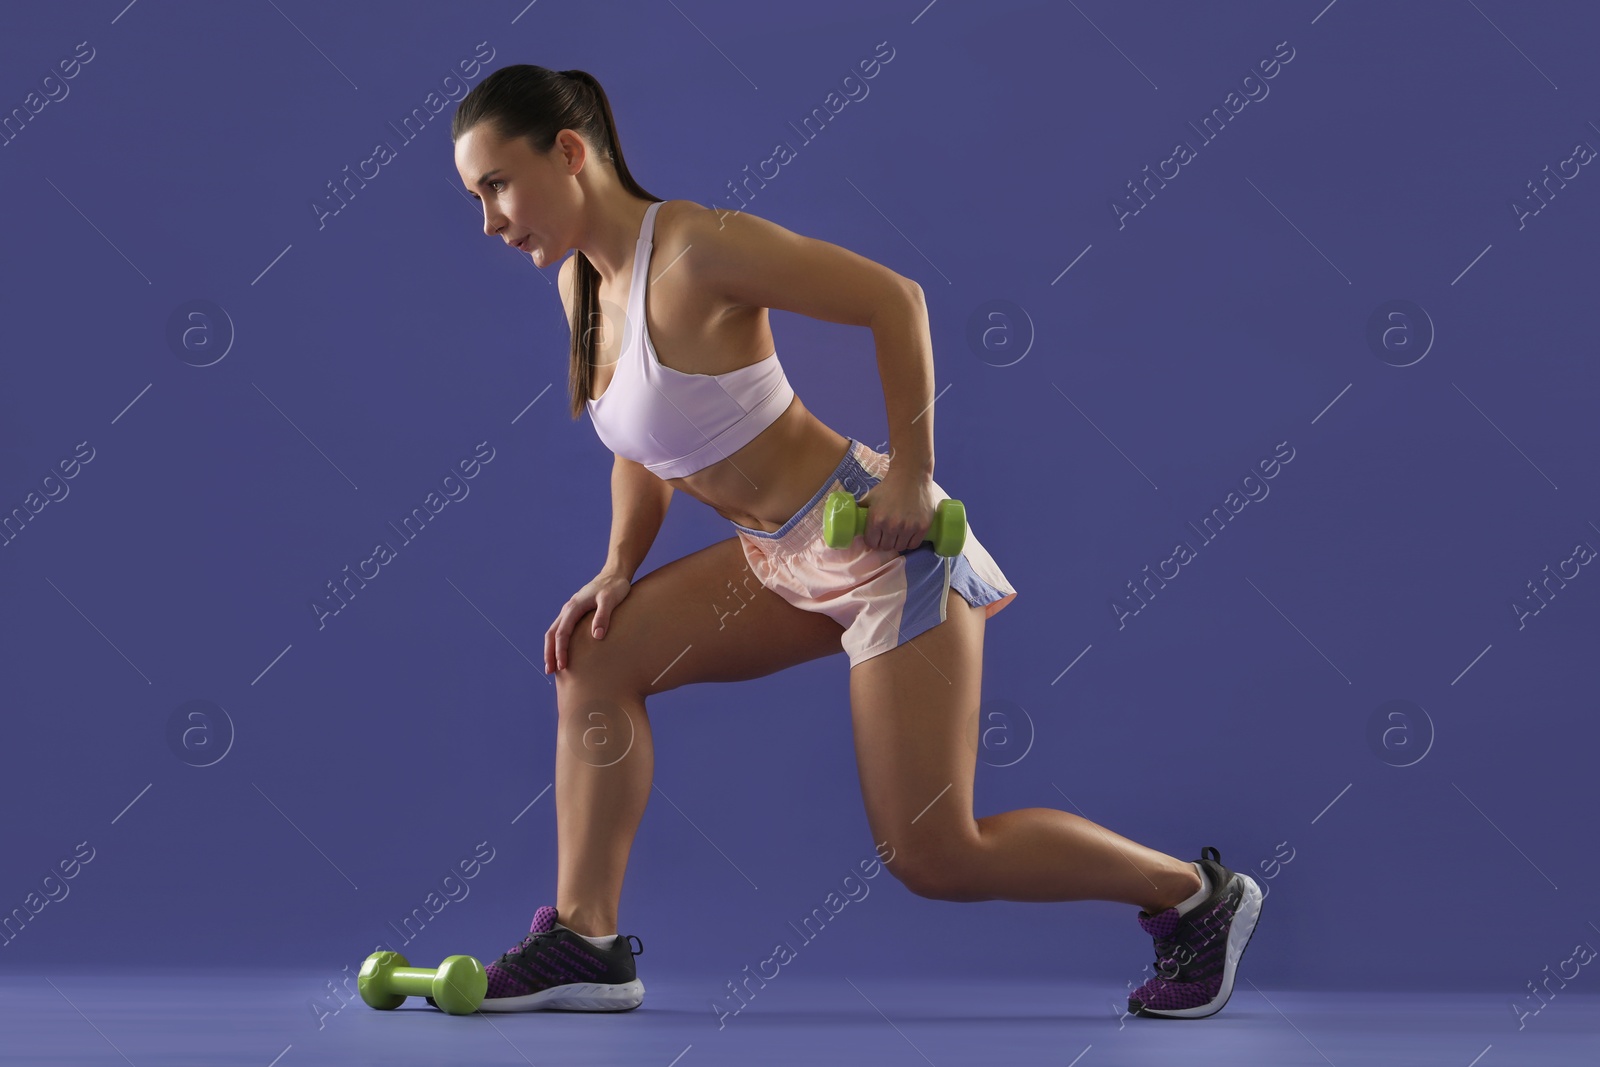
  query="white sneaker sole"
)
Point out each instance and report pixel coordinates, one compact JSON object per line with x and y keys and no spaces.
{"x":575,"y":996}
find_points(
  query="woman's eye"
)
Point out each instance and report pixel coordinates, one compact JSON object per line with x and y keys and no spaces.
{"x":495,"y":183}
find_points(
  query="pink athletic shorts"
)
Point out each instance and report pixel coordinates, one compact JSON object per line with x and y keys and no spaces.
{"x":881,"y":597}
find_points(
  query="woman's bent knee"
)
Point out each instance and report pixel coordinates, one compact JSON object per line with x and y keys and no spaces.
{"x":934,"y":875}
{"x":681,"y":625}
{"x":930,"y":882}
{"x":595,"y":663}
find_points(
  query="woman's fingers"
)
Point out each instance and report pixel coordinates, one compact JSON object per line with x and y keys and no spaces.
{"x":556,"y":639}
{"x":600,"y":595}
{"x":602,"y":614}
{"x":606,"y":599}
{"x":563,"y":636}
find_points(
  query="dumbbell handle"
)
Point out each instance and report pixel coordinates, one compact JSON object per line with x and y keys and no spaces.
{"x":412,"y":981}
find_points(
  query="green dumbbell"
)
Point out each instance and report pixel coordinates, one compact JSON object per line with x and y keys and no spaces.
{"x":456,"y":986}
{"x":844,"y":520}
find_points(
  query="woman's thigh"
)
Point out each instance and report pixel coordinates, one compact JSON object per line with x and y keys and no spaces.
{"x":703,"y":618}
{"x":915,"y":714}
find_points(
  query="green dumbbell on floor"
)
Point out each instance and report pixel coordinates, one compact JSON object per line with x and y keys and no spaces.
{"x":456,"y":986}
{"x":844,"y":520}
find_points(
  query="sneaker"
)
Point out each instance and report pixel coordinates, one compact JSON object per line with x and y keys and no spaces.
{"x":555,"y":968}
{"x":1198,"y":952}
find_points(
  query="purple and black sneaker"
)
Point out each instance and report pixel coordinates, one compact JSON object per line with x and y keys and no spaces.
{"x":1198,"y":952}
{"x":555,"y":968}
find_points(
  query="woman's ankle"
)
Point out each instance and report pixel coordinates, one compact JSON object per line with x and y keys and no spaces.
{"x":590,"y":922}
{"x":1181,"y":884}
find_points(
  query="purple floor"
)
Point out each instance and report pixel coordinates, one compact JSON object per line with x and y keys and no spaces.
{"x":266,"y":1018}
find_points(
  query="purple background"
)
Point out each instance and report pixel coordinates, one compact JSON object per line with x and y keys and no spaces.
{"x":1237,"y":709}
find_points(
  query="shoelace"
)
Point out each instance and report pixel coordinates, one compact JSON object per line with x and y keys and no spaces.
{"x":521,"y":946}
{"x":1166,"y":954}
{"x":1174,"y":950}
{"x":1171,"y":954}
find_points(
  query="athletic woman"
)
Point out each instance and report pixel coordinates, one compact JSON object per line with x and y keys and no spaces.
{"x":673,"y":359}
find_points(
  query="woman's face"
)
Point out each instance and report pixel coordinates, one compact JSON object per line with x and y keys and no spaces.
{"x":529,"y":200}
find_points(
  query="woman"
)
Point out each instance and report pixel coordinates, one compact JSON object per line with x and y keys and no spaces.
{"x":677,"y":387}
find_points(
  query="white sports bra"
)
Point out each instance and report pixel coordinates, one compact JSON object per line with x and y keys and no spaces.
{"x":673,"y":422}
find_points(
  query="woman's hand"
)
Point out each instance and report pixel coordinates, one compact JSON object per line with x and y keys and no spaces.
{"x":603,"y":593}
{"x":899,"y":510}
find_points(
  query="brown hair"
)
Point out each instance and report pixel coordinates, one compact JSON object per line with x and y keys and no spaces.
{"x":536,"y":103}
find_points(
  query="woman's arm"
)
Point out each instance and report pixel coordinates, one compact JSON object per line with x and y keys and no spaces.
{"x":639,"y":503}
{"x":750,"y":261}
{"x":905,"y":365}
{"x":747,"y":260}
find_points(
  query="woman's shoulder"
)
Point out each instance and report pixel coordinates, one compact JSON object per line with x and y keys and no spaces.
{"x":681,"y":218}
{"x":674,"y":215}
